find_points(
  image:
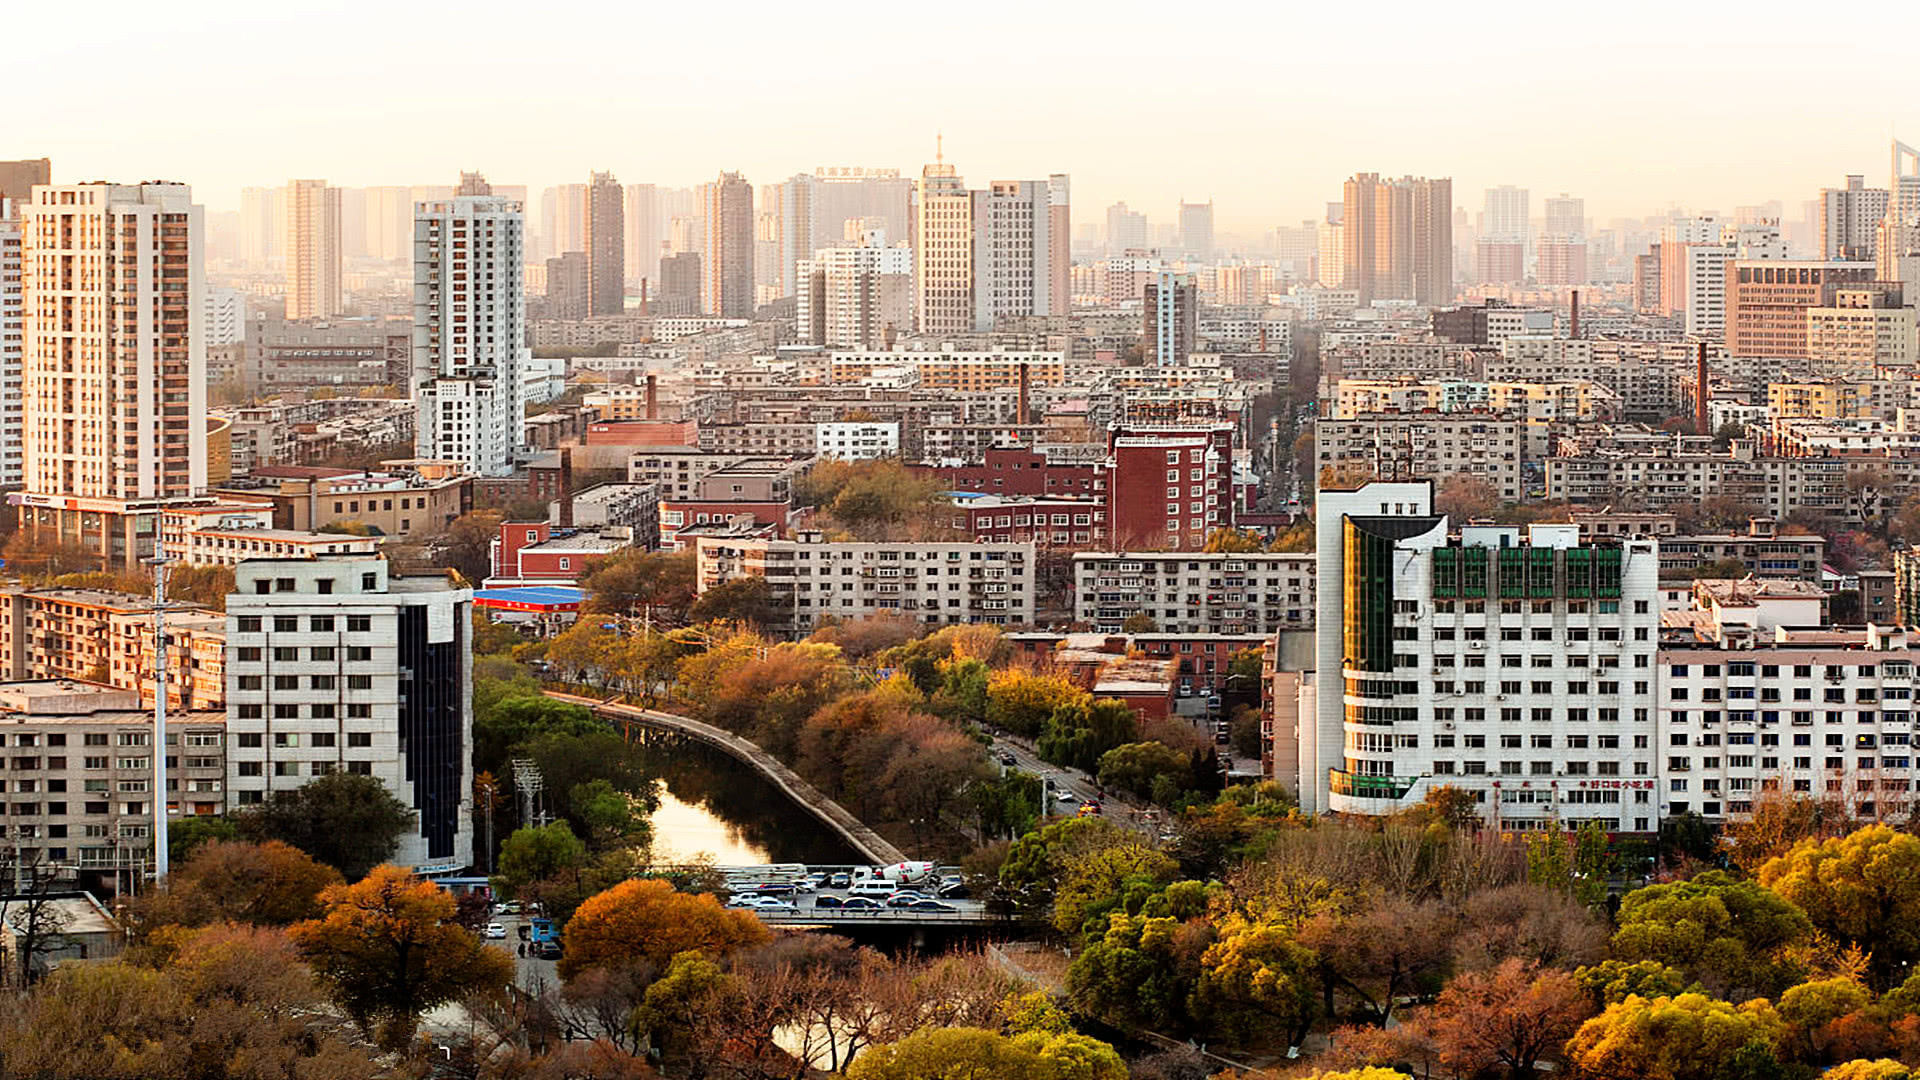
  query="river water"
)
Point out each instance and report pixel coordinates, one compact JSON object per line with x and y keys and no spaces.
{"x":711,"y":804}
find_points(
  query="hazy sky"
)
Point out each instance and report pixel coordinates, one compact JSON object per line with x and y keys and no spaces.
{"x":1264,"y":107}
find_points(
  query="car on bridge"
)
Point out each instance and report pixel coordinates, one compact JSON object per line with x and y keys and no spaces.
{"x":859,"y":903}
{"x":840,"y":880}
{"x":931,"y":906}
{"x":905,"y":897}
{"x":828,"y":901}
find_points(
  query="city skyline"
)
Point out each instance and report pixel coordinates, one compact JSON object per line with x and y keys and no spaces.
{"x":1633,"y":134}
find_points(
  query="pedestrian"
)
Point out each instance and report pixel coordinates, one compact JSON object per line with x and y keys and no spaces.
{"x":523,"y":950}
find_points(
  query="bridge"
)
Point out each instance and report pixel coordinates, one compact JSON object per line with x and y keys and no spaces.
{"x":839,"y":918}
{"x":836,"y":817}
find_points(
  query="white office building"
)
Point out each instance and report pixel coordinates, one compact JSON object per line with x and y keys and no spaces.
{"x":1193,"y":592}
{"x":334,"y":665}
{"x":856,"y":297}
{"x":11,"y":312}
{"x":469,"y":331}
{"x":1518,"y":668}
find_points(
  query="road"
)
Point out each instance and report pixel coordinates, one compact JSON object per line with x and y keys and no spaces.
{"x":1120,"y":810}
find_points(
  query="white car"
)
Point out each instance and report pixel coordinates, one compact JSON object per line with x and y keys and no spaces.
{"x":768,"y":903}
{"x":744,"y":900}
{"x":1067,"y":796}
{"x":496,"y":931}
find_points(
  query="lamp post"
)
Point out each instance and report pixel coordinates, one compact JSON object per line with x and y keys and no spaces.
{"x":159,"y":563}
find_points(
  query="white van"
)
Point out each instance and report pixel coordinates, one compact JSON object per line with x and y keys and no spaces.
{"x":873,"y":887}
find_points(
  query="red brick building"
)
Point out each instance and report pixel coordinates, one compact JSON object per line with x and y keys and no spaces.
{"x":1019,"y":470}
{"x":1062,"y":521}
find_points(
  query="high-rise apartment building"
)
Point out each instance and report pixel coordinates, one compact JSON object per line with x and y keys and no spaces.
{"x":566,"y":295}
{"x":644,"y":219}
{"x":606,"y":246}
{"x":988,"y":254}
{"x":469,"y":331}
{"x":844,"y":193}
{"x":263,"y":225}
{"x":389,"y":223}
{"x":334,"y":664}
{"x":1566,"y":215}
{"x":1850,"y":220}
{"x":1398,"y":239}
{"x":856,"y":297}
{"x":793,"y":236}
{"x":17,"y":178}
{"x":1126,"y":230}
{"x":1170,"y":313}
{"x":728,"y":266}
{"x":11,"y":312}
{"x":680,"y":282}
{"x":1767,"y":301}
{"x":313,"y":250}
{"x":563,"y":219}
{"x":1333,"y":254}
{"x":113,"y":364}
{"x":1196,"y":230}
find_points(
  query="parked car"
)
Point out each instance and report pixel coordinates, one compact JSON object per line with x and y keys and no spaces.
{"x":956,"y":891}
{"x":768,"y":903}
{"x":1067,"y":796}
{"x":828,"y":902}
{"x":511,"y":907}
{"x":742,"y":900}
{"x":547,"y":950}
{"x":497,"y":931}
{"x":840,"y":880}
{"x":906,"y":897}
{"x":1009,"y":759}
{"x":860,"y":903}
{"x":930,"y":905}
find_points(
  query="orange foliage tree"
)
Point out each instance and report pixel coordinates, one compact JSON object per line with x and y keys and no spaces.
{"x":649,"y":920}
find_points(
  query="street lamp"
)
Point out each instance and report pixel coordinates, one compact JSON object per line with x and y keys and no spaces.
{"x":159,"y":563}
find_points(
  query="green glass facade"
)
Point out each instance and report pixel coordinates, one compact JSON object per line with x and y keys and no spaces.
{"x":1367,"y":633}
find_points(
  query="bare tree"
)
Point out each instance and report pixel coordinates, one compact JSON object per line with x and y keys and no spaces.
{"x":29,"y":907}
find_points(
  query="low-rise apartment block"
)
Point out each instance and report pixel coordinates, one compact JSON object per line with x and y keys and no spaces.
{"x":1190,"y":592}
{"x":812,"y":579}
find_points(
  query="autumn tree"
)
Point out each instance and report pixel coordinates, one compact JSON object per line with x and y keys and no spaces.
{"x":1465,"y":496}
{"x":1732,"y":936}
{"x":1380,"y":952}
{"x":466,"y":545}
{"x":1528,"y":922}
{"x":1613,"y":981}
{"x":1091,"y":882}
{"x":961,"y":1052}
{"x":1862,"y":889}
{"x":1255,"y":978}
{"x":649,"y":920}
{"x":1810,"y":1010}
{"x":1232,"y":542}
{"x":1023,"y":701}
{"x":1147,"y":769}
{"x":1510,"y":1018}
{"x":388,"y":950}
{"x":745,"y":600}
{"x":265,"y":884}
{"x":350,"y":821}
{"x":633,"y":580}
{"x":1690,"y":1037}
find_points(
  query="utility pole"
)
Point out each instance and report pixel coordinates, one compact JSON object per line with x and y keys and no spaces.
{"x":159,"y":564}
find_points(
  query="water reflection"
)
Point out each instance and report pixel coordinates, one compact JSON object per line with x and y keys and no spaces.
{"x":713,"y":804}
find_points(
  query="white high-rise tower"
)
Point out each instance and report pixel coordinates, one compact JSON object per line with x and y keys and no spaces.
{"x":469,"y":331}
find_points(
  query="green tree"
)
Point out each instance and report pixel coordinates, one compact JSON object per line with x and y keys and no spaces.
{"x":1092,"y":882}
{"x":1612,"y":981}
{"x":1734,"y":937}
{"x":500,"y":725}
{"x":188,"y":833}
{"x":1135,"y":767}
{"x":1138,"y":973}
{"x":1082,"y":730}
{"x":350,"y":821}
{"x":535,"y":853}
{"x":1862,"y":889}
{"x":676,"y":1006}
{"x":1690,"y":1037}
{"x":388,"y":950}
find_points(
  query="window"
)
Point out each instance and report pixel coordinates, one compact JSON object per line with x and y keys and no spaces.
{"x":359,"y":652}
{"x":359,"y":624}
{"x":359,"y":682}
{"x":249,"y":740}
{"x":322,"y":738}
{"x":359,"y":738}
{"x":360,"y":768}
{"x":285,"y":624}
{"x":321,"y":624}
{"x":249,"y":624}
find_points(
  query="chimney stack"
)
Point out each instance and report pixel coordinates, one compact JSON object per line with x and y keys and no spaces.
{"x":566,"y":488}
{"x":653,"y":396}
{"x":643,"y":298}
{"x":1700,"y":394}
{"x":1020,"y":416}
{"x":1574,"y":330}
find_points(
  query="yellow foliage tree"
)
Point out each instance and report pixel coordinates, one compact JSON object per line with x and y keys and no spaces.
{"x":1690,"y":1037}
{"x":649,"y":920}
{"x":1022,"y":701}
{"x":1863,"y":889}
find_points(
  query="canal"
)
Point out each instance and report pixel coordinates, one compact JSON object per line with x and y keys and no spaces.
{"x":711,"y":804}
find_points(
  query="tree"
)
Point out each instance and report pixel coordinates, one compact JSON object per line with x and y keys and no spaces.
{"x":1135,"y":767}
{"x":1382,"y":951}
{"x":387,"y":950}
{"x":350,"y":821}
{"x":961,"y":1053}
{"x":266,"y":884}
{"x":1232,"y":542}
{"x":1256,"y":979}
{"x":467,"y":544}
{"x":1082,"y":730}
{"x":1138,"y":623}
{"x":189,"y":833}
{"x":633,"y":580}
{"x":1777,"y":823}
{"x":1862,"y":889}
{"x":649,"y":920}
{"x":1732,"y":936}
{"x":1141,"y":972}
{"x":1092,"y":882}
{"x":1512,"y":1018}
{"x":1023,"y":701}
{"x":532,"y":854}
{"x":29,"y":908}
{"x":1527,"y":922}
{"x":1881,"y":1069}
{"x":207,"y":585}
{"x":1465,"y":496}
{"x":1613,"y":981}
{"x":1811,"y":1007}
{"x":1690,"y":1037}
{"x":746,"y":600}
{"x":675,"y":1008}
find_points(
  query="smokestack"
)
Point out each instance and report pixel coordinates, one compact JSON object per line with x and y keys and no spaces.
{"x":653,"y":397}
{"x":643,"y":298}
{"x":566,"y":488}
{"x":1700,"y":393}
{"x":1020,"y":416}
{"x":1574,"y":331}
